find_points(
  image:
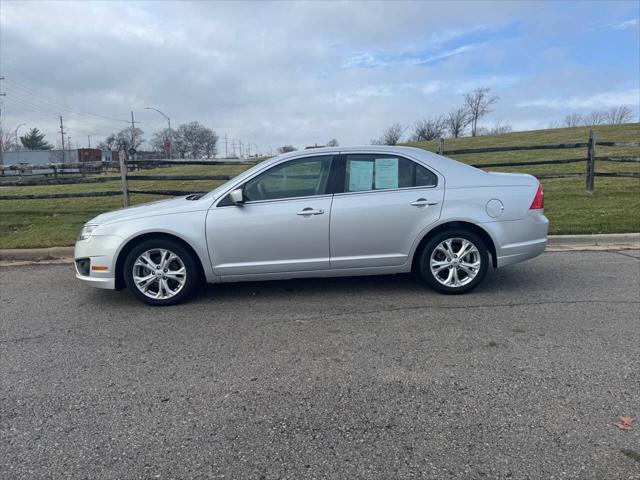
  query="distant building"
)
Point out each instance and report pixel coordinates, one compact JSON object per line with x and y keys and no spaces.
{"x":110,"y":156}
{"x":40,"y":156}
{"x":89,"y":155}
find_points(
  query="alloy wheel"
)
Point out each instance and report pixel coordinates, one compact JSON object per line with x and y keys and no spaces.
{"x":455,"y":262}
{"x":159,"y":273}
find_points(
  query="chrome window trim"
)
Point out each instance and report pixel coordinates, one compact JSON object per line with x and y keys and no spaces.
{"x":273,"y":200}
{"x":386,"y":190}
{"x":304,"y":154}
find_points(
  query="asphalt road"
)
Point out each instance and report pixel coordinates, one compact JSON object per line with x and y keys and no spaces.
{"x":374,"y":377}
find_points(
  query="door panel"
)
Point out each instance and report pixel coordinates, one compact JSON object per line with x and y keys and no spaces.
{"x":267,"y":237}
{"x":378,"y":228}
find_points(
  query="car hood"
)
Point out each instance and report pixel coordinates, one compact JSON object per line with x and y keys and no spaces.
{"x":151,"y":209}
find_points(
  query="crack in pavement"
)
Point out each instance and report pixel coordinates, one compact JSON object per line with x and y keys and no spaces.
{"x":626,"y":255}
{"x":466,"y":307}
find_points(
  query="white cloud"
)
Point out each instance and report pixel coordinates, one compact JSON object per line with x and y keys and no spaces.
{"x":273,"y":72}
{"x":624,"y":25}
{"x":386,"y":60}
{"x":597,"y":100}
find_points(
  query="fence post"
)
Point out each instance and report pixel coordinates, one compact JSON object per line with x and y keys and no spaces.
{"x":123,"y":176}
{"x":591,"y":161}
{"x":441,"y":146}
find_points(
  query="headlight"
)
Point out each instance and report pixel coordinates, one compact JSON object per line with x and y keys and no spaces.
{"x":86,"y":231}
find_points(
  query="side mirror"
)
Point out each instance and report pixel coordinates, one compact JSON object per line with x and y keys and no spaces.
{"x":236,"y":196}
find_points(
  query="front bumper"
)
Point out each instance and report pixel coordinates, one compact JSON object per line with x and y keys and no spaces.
{"x":101,"y":251}
{"x":98,"y":282}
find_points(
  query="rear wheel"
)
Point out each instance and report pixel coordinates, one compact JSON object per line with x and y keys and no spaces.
{"x":161,"y":272}
{"x":454,"y":261}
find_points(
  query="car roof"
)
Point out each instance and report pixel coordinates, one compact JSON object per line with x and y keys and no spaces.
{"x":439,"y":163}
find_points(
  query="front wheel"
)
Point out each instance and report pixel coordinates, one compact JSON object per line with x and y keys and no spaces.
{"x":454,"y":261}
{"x":160,"y":272}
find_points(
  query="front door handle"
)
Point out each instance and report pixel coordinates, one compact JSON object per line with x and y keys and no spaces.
{"x":423,"y":202}
{"x":310,"y":211}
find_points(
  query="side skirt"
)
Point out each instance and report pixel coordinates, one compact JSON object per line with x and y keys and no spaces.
{"x":338,"y":272}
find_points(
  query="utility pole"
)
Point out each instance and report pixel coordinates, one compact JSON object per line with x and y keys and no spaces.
{"x":16,"y":136}
{"x":133,"y":137}
{"x":62,"y":132}
{"x":226,"y":150}
{"x":248,"y":149}
{"x":2,"y":94}
{"x":89,"y":141}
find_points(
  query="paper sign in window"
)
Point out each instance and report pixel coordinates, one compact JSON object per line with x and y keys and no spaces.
{"x":386,"y":173}
{"x":360,"y":175}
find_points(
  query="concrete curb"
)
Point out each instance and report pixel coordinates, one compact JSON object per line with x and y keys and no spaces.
{"x":607,"y":241}
{"x":35,"y":254}
{"x":557,"y":243}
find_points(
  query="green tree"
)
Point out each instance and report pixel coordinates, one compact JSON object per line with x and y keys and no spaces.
{"x":34,"y":140}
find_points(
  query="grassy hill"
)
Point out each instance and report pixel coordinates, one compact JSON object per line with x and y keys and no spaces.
{"x":614,"y":206}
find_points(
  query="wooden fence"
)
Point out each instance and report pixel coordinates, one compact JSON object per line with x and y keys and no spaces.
{"x":590,"y":159}
{"x":58,"y":170}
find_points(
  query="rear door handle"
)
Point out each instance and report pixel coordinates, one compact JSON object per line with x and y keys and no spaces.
{"x":310,"y":211}
{"x":423,"y":202}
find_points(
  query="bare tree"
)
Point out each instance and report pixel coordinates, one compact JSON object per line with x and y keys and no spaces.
{"x":333,"y":143}
{"x":192,"y":140}
{"x":428,"y":129}
{"x":457,"y":121}
{"x":122,"y":140}
{"x":286,"y":149}
{"x":597,"y":117}
{"x":478,"y":105}
{"x":209,"y":142}
{"x":159,"y":138}
{"x":391,"y":135}
{"x":499,"y":128}
{"x":190,"y":135}
{"x":573,"y":120}
{"x":7,"y":141}
{"x":554,"y":124}
{"x":618,"y":115}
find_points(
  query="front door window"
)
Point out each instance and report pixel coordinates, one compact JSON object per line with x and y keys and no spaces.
{"x":304,"y":177}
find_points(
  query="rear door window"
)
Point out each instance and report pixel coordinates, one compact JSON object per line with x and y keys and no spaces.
{"x":366,"y":172}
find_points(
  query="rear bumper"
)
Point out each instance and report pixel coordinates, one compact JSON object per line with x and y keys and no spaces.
{"x":520,"y":240}
{"x":520,"y":252}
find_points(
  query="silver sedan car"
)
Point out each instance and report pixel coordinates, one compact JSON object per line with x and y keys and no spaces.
{"x":322,"y":213}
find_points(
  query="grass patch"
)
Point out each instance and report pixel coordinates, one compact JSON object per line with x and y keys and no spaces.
{"x":613,"y":208}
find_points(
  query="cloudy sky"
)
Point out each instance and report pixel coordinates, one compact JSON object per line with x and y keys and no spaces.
{"x":298,"y":73}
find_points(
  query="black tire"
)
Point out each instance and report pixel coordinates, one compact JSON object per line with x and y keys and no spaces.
{"x":429,"y":276}
{"x":190,"y":280}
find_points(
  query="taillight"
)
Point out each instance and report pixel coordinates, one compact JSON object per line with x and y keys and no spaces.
{"x":538,"y":201}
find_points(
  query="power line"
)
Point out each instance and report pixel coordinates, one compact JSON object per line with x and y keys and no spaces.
{"x":18,"y":103}
{"x":44,"y":99}
{"x":46,"y":110}
{"x":49,"y":115}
